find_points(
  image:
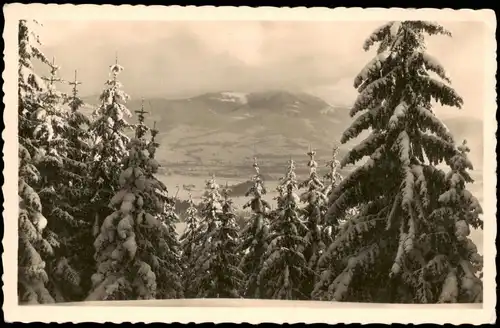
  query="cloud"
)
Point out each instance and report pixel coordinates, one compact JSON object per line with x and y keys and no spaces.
{"x":168,"y":59}
{"x":462,"y":57}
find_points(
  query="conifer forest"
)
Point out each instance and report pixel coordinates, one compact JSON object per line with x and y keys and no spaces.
{"x":97,"y":223}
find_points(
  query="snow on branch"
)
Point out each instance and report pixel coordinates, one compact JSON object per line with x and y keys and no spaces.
{"x":429,"y":120}
{"x":440,"y":92}
{"x":365,"y":148}
{"x":430,"y":64}
{"x":403,"y":143}
{"x":399,"y":114}
{"x":431,"y":28}
{"x":436,"y":149}
{"x":364,"y":259}
{"x":373,"y":93}
{"x":372,"y":69}
{"x":378,"y":35}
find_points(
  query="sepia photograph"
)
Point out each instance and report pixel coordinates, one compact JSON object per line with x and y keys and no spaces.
{"x":324,"y":161}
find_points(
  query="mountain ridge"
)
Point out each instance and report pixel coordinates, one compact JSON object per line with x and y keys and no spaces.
{"x":237,"y":100}
{"x":224,"y":130}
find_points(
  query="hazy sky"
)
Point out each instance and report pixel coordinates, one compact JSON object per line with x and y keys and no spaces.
{"x":177,"y":59}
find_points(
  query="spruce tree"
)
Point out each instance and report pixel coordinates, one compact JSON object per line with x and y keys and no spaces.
{"x":165,"y":256}
{"x":457,"y":205}
{"x":312,"y":214}
{"x":32,"y":242}
{"x":109,"y":143}
{"x":215,"y":270}
{"x":254,"y":235}
{"x":77,"y":192}
{"x":47,"y":120}
{"x":331,"y":180}
{"x":35,"y":244}
{"x":30,"y":85}
{"x":190,"y":242}
{"x":230,"y":278}
{"x":131,"y":247}
{"x":202,"y":282}
{"x":78,"y":123}
{"x":333,"y":177}
{"x":284,"y":267}
{"x":407,"y":242}
{"x":61,"y":186}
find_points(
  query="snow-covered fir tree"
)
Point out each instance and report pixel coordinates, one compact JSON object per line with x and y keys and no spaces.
{"x":77,"y":192}
{"x":330,"y":180}
{"x":78,"y":123}
{"x":190,"y":242}
{"x":61,"y":186}
{"x":197,"y":269}
{"x":130,"y":247}
{"x":108,"y":142}
{"x":312,"y":215}
{"x":170,"y":271}
{"x":407,"y":242}
{"x":35,"y":246}
{"x":167,"y":265}
{"x":188,"y":236}
{"x":458,"y":205}
{"x":215,"y":267}
{"x":46,"y":117}
{"x":230,"y":278}
{"x":30,"y":85}
{"x":254,"y":235}
{"x":284,"y":267}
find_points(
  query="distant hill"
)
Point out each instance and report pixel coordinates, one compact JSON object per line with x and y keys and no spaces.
{"x":220,"y":132}
{"x":204,"y":109}
{"x":229,"y":128}
{"x":261,"y":103}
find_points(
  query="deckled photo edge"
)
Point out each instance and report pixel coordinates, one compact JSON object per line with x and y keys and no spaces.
{"x":13,"y":12}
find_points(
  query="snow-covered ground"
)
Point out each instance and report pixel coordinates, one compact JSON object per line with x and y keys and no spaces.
{"x":265,"y":303}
